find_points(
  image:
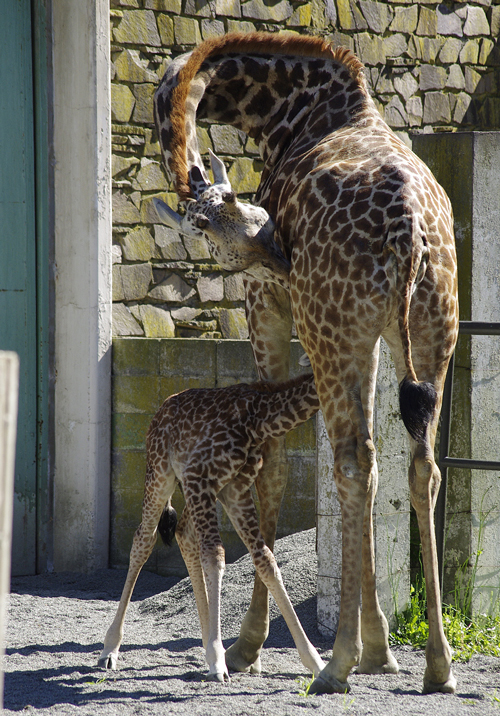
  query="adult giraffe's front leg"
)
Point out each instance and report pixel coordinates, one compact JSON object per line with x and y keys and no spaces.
{"x":240,"y":507}
{"x":270,"y":328}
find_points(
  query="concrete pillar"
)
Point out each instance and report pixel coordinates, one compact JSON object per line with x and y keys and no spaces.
{"x":82,"y":149}
{"x":391,"y":512}
{"x":467,"y":165}
{"x":9,"y":390}
{"x":485,"y":372}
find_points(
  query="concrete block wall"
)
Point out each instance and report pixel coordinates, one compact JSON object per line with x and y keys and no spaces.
{"x":145,"y":372}
{"x":431,"y":67}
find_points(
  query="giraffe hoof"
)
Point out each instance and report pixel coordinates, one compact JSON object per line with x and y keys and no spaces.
{"x":446,"y":687}
{"x":385,"y":665}
{"x":108,"y":662}
{"x":236,"y":662}
{"x":256,"y":667}
{"x":218,"y":677}
{"x":321,"y":685}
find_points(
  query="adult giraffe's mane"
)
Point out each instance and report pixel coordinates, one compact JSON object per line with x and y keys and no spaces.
{"x":255,"y":42}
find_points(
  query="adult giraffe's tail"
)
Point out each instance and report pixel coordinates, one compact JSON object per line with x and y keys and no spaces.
{"x":417,"y":399}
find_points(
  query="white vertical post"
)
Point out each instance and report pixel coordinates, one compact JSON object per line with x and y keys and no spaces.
{"x":82,"y":147}
{"x":9,"y":389}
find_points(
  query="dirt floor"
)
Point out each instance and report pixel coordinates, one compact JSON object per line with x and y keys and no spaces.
{"x":57,"y":624}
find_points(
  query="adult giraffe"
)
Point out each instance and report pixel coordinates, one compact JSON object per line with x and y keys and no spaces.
{"x":369,"y":234}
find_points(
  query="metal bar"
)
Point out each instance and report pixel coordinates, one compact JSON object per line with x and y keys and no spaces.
{"x":466,"y":464}
{"x":479,"y":328}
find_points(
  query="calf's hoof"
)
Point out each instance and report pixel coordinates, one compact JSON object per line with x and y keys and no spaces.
{"x":220,"y":677}
{"x":108,"y":662}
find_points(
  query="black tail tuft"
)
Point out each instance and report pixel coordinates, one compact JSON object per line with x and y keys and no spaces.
{"x":417,"y":402}
{"x":167,"y":525}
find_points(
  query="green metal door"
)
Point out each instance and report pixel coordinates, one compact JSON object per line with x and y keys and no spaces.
{"x":18,"y":280}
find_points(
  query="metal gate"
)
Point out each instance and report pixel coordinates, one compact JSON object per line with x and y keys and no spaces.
{"x":470,"y":328}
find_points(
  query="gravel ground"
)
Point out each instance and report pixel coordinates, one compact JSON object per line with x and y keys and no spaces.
{"x":57,"y":624}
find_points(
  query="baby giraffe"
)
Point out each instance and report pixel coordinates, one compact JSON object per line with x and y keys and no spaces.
{"x":211,"y":442}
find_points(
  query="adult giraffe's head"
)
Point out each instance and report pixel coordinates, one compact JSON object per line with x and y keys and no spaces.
{"x":240,"y":236}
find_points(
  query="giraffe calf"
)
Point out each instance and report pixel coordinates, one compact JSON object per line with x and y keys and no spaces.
{"x":211,"y":442}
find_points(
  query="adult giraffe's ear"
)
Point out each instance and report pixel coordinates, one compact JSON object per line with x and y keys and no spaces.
{"x":167,"y":215}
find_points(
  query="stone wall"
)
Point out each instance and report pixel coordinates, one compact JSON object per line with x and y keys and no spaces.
{"x":145,"y":372}
{"x":431,"y":67}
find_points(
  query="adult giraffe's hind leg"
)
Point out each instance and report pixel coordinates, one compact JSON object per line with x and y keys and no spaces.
{"x":376,"y":657}
{"x":431,"y":362}
{"x":270,"y":326}
{"x":348,"y":418}
{"x":425,"y":479}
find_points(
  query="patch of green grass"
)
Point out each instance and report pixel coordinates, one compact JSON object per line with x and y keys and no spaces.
{"x":411,"y":624}
{"x":466,"y":636}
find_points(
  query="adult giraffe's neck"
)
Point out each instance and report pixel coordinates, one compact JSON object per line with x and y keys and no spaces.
{"x":274,"y":99}
{"x":264,"y":85}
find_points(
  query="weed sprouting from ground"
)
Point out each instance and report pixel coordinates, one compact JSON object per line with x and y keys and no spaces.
{"x":304,"y":685}
{"x":347,"y":702}
{"x":466,"y":636}
{"x":495,"y":700}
